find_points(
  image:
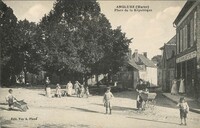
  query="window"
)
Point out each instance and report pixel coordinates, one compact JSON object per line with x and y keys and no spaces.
{"x":185,"y":38}
{"x":188,"y":35}
{"x":181,"y":40}
{"x":191,"y":32}
{"x":177,"y":43}
{"x":195,"y":26}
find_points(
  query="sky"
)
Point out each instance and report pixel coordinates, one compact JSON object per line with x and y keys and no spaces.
{"x":149,"y":30}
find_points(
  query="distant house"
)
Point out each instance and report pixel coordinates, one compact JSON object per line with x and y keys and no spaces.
{"x":148,"y":69}
{"x":167,"y":64}
{"x":138,"y":67}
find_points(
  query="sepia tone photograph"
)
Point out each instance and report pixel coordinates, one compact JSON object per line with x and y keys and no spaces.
{"x":100,"y":63}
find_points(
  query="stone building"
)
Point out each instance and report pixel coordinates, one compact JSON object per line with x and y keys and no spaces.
{"x":187,"y":25}
{"x":138,"y":67}
{"x":167,"y":64}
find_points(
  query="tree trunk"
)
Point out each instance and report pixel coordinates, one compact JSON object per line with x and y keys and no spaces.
{"x":25,"y":76}
{"x":97,"y":80}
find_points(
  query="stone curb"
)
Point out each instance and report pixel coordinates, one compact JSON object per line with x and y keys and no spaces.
{"x":191,"y":109}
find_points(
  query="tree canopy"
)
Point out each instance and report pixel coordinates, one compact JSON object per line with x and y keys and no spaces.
{"x":73,"y":38}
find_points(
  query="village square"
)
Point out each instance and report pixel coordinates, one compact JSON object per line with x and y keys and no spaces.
{"x":83,"y":64}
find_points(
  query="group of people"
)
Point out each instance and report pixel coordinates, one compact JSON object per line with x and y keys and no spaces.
{"x":175,"y":90}
{"x":78,"y":89}
{"x":183,"y":106}
{"x":107,"y":98}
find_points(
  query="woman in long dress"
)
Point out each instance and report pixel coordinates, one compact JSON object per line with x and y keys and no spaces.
{"x":182,"y":86}
{"x":174,"y":89}
{"x":69,"y":88}
{"x":76,"y":87}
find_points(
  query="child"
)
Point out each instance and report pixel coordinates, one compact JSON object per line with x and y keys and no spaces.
{"x":107,"y":100}
{"x":58,"y":91}
{"x":184,"y":109}
{"x":81,"y":91}
{"x":76,"y":87}
{"x":47,"y":82}
{"x":10,"y":99}
{"x":87,"y":91}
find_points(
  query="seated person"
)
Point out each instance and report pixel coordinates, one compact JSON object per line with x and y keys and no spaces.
{"x":10,"y":99}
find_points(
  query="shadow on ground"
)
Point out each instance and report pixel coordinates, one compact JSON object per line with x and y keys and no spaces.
{"x":87,"y":110}
{"x":4,"y":122}
{"x":164,"y":102}
{"x":5,"y":107}
{"x":126,"y":94}
{"x":153,"y":120}
{"x":13,"y":109}
{"x":118,"y":108}
{"x":160,"y":99}
{"x":63,"y":126}
{"x":3,"y":103}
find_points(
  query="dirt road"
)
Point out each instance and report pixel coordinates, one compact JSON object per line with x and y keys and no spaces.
{"x":73,"y":112}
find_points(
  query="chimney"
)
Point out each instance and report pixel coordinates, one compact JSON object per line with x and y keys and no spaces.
{"x":135,"y":55}
{"x":145,"y":54}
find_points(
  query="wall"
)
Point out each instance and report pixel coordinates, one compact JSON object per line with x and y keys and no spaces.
{"x":152,"y":76}
{"x":189,"y":72}
{"x":197,"y":81}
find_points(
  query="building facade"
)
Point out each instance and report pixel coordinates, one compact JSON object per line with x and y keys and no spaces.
{"x":138,"y":67}
{"x":188,"y":47}
{"x":167,"y":65}
{"x":148,"y":69}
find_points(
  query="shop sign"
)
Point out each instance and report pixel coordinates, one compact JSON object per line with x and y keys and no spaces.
{"x":186,"y":57}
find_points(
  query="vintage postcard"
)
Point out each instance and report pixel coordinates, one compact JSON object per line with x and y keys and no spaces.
{"x":99,"y":63}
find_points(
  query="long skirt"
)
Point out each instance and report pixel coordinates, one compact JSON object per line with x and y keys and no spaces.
{"x":182,"y":87}
{"x":174,"y":89}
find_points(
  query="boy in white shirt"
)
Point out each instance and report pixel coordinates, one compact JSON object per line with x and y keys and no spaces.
{"x":184,"y":109}
{"x":107,"y":100}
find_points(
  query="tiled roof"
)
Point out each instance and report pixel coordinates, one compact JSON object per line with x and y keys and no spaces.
{"x":133,"y":64}
{"x":184,"y":10}
{"x":146,"y":61}
{"x":170,"y":48}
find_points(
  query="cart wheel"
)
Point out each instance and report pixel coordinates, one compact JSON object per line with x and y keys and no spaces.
{"x":153,"y":103}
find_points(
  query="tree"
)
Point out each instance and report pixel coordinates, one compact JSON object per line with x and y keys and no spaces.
{"x":115,"y":55}
{"x":69,"y":34}
{"x":74,"y":39}
{"x":30,"y":47}
{"x":79,"y":39}
{"x":10,"y":58}
{"x":20,"y":49}
{"x":157,"y":59}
